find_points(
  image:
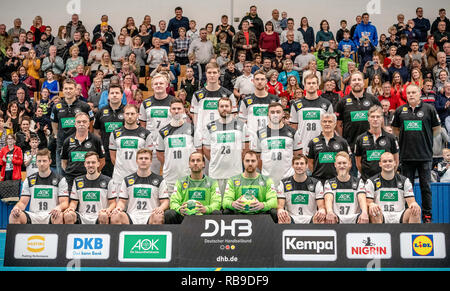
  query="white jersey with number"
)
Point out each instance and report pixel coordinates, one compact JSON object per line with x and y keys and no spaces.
{"x":277,"y":150}
{"x":92,"y":196}
{"x":32,"y":167}
{"x":126,"y":144}
{"x":226,"y":142}
{"x":156,"y":114}
{"x":205,"y":106}
{"x":143,"y":195}
{"x":307,"y":113}
{"x":177,"y":143}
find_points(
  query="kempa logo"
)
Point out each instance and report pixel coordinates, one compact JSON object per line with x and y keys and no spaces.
{"x":369,"y":245}
{"x":311,"y":115}
{"x":40,"y":193}
{"x":145,"y":246}
{"x":309,"y":245}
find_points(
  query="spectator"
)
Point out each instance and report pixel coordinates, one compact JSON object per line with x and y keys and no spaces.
{"x":440,"y":142}
{"x":105,"y":36}
{"x":288,"y":70}
{"x":340,"y":32}
{"x":324,"y":34}
{"x":146,"y":37}
{"x":269,"y":41}
{"x":298,"y":36}
{"x":98,"y":28}
{"x":423,"y":25}
{"x":87,"y":40}
{"x":441,"y":65}
{"x":277,"y":62}
{"x":73,"y":62}
{"x":5,"y":130}
{"x":164,"y":36}
{"x":289,"y":91}
{"x":138,"y":49}
{"x":375,"y":68}
{"x":256,"y":25}
{"x":16,"y":30}
{"x":95,"y":93}
{"x":327,"y":50}
{"x":227,"y":28}
{"x":29,"y":81}
{"x":375,"y":87}
{"x":246,"y":40}
{"x":401,"y":25}
{"x":230,"y":76}
{"x":414,"y":54}
{"x":11,"y":89}
{"x":222,"y":61}
{"x":302,"y":60}
{"x":181,"y":47}
{"x":358,"y":20}
{"x":347,"y":43}
{"x":131,"y":27}
{"x":441,"y":17}
{"x":156,"y":55}
{"x":119,"y":52}
{"x":178,"y":21}
{"x":151,"y":29}
{"x":37,"y":29}
{"x":398,"y":88}
{"x":276,"y":22}
{"x":411,"y":32}
{"x":387,"y":114}
{"x":32,"y":64}
{"x":428,"y":95}
{"x":50,"y":37}
{"x":95,"y":57}
{"x":11,"y":160}
{"x":190,"y":84}
{"x":24,"y":134}
{"x":61,"y":41}
{"x":439,"y":85}
{"x":203,"y":50}
{"x":175,"y":68}
{"x":74,"y":26}
{"x":107,"y":67}
{"x":329,"y":93}
{"x":312,"y":69}
{"x":78,"y":40}
{"x":332,"y":72}
{"x":365,"y":52}
{"x":274,"y":87}
{"x":398,"y":67}
{"x":42,"y":47}
{"x":51,"y":84}
{"x":9,"y":64}
{"x":431,"y":50}
{"x":307,"y":33}
{"x":129,"y":88}
{"x":44,"y":103}
{"x":244,"y":83}
{"x":290,"y":47}
{"x":193,"y":32}
{"x":25,"y":107}
{"x":441,"y":35}
{"x":20,"y":48}
{"x":83,"y":80}
{"x":442,"y":168}
{"x":387,"y":63}
{"x":14,"y":116}
{"x":124,"y":32}
{"x":403,"y":48}
{"x":210,"y":35}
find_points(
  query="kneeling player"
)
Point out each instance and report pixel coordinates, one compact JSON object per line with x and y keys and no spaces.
{"x":345,"y":196}
{"x":300,"y":198}
{"x":387,"y":193}
{"x":144,"y":195}
{"x":194,"y":194}
{"x":249,"y":192}
{"x":94,"y":194}
{"x":46,"y":192}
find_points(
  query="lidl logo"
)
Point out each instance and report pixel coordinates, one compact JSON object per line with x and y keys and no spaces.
{"x":422,"y":245}
{"x":148,"y":246}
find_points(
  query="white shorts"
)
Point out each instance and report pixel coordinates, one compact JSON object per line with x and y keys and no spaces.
{"x":348,"y":219}
{"x":38,"y":218}
{"x":87,"y":219}
{"x":302,"y":219}
{"x":139,"y":218}
{"x":393,"y":217}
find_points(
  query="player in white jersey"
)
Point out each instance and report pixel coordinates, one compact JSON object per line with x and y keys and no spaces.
{"x":154,"y":112}
{"x":276,"y":145}
{"x":29,"y":157}
{"x":345,"y":196}
{"x":143,"y":194}
{"x":175,"y":143}
{"x":124,"y":143}
{"x":205,"y":102}
{"x":45,"y":191}
{"x":254,"y":108}
{"x":306,"y":112}
{"x":300,"y":198}
{"x":93,"y":194}
{"x":224,"y":144}
{"x":387,"y":194}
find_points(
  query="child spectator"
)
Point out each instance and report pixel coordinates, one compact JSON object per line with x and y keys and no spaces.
{"x":51,"y":84}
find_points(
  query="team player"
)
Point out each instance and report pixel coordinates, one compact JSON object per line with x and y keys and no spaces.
{"x":143,"y":194}
{"x":345,"y":196}
{"x":250,"y":184}
{"x":195,"y":187}
{"x":46,"y":193}
{"x":108,"y":119}
{"x":225,"y":143}
{"x":373,"y":143}
{"x":306,"y":112}
{"x":29,"y":157}
{"x":387,"y":193}
{"x":300,"y":198}
{"x":125,"y":142}
{"x":154,"y":112}
{"x":205,"y":102}
{"x":93,"y":194}
{"x":254,"y":108}
{"x":174,"y":145}
{"x":276,"y":145}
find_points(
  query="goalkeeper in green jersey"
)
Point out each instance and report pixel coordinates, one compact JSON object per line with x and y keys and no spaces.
{"x":196,"y":194}
{"x":250,"y":192}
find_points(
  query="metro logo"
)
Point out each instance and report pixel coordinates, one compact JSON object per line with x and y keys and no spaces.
{"x":345,"y":197}
{"x":388,"y":196}
{"x":413,"y":125}
{"x":311,"y":115}
{"x":359,"y":116}
{"x":300,"y":199}
{"x":145,"y":193}
{"x":177,"y":142}
{"x":91,"y":196}
{"x":276,"y":144}
{"x":260,"y":110}
{"x":128,"y":143}
{"x":43,"y":193}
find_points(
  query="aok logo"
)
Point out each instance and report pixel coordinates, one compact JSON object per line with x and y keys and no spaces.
{"x":358,"y":116}
{"x":148,"y":246}
{"x":91,"y":196}
{"x":300,"y":199}
{"x":276,"y":144}
{"x":311,"y":115}
{"x":260,"y":111}
{"x":344,"y":197}
{"x":36,"y":243}
{"x":159,"y":113}
{"x":129,"y":143}
{"x":238,"y":227}
{"x":413,"y":125}
{"x":422,"y":245}
{"x":142,"y":193}
{"x":40,"y":193}
{"x":388,"y":196}
{"x":197,"y":195}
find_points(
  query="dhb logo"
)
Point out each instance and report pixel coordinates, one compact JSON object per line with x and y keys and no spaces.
{"x":238,"y":227}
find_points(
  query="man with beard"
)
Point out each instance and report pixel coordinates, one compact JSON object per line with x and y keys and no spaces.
{"x":276,"y":144}
{"x":226,"y":141}
{"x":249,"y":185}
{"x":174,"y":145}
{"x":197,"y":187}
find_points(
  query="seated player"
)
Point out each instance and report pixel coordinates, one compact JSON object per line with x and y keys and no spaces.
{"x":143,"y":194}
{"x":46,"y":192}
{"x":345,"y":196}
{"x":250,"y":186}
{"x":197,"y":193}
{"x":300,"y":198}
{"x":93,"y":194}
{"x":387,"y":193}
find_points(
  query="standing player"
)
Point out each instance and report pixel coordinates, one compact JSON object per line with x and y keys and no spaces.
{"x":373,"y":143}
{"x":345,"y":196}
{"x":300,"y":198}
{"x":45,"y":191}
{"x":205,"y":102}
{"x":108,"y":119}
{"x":76,"y":146}
{"x":194,"y":187}
{"x":143,"y":194}
{"x":174,"y":145}
{"x":93,"y":194}
{"x":254,"y":108}
{"x":387,"y":193}
{"x":276,"y":144}
{"x":250,"y":184}
{"x":226,"y":141}
{"x":125,"y":142}
{"x":306,"y":112}
{"x":154,"y":112}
